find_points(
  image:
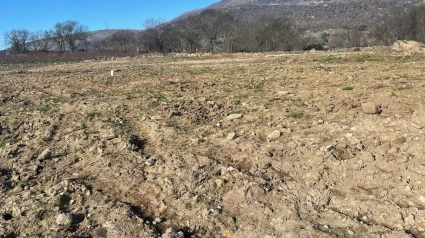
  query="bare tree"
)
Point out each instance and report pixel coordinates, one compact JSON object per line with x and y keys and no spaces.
{"x":47,"y":39}
{"x":153,"y":22}
{"x":211,"y":23}
{"x":189,"y":33}
{"x":100,"y":44}
{"x":356,"y":35}
{"x":278,"y":34}
{"x":229,"y":32}
{"x":58,"y":34}
{"x":73,"y":34}
{"x":37,"y":40}
{"x":122,"y":39}
{"x":192,"y":34}
{"x":248,"y":37}
{"x":151,"y":38}
{"x":84,"y":37}
{"x":337,"y":39}
{"x":17,"y":40}
{"x":400,"y":24}
{"x":172,"y":39}
{"x":69,"y":34}
{"x":416,"y":23}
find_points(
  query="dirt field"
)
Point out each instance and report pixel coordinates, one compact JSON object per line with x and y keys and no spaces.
{"x":243,"y":145}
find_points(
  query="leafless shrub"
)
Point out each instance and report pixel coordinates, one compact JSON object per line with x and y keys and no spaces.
{"x":35,"y":57}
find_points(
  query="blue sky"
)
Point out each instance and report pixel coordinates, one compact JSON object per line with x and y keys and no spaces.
{"x":36,"y":15}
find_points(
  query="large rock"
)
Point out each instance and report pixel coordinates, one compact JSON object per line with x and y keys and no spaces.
{"x":232,"y":117}
{"x":232,"y":136}
{"x":370,"y":108}
{"x":408,"y":46}
{"x":45,"y":155}
{"x":64,"y":219}
{"x":172,"y":233}
{"x":274,"y":135}
{"x":418,"y":117}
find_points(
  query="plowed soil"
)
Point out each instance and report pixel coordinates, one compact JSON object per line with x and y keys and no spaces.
{"x":325,"y":144}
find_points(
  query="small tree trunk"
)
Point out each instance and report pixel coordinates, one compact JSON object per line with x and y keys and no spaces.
{"x":212,"y":46}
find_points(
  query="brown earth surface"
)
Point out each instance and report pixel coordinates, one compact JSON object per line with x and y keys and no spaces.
{"x":245,"y":145}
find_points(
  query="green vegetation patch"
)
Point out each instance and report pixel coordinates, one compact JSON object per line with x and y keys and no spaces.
{"x":255,"y":86}
{"x":92,"y":114}
{"x":92,"y":132}
{"x":403,"y":58}
{"x":159,"y":96}
{"x":58,"y":100}
{"x":328,"y":60}
{"x":348,"y":88}
{"x":207,"y":133}
{"x":109,"y":121}
{"x":45,"y":108}
{"x":364,"y":58}
{"x":8,"y":139}
{"x":206,"y":70}
{"x":295,"y":115}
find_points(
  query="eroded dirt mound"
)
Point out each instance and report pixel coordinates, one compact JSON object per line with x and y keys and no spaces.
{"x":408,"y":47}
{"x":297,"y":145}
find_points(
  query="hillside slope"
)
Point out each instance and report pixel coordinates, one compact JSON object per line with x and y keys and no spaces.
{"x":314,"y":15}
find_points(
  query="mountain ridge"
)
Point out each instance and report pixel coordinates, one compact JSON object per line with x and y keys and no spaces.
{"x":310,"y":14}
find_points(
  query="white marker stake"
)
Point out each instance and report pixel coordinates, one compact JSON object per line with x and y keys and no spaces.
{"x":112,"y":73}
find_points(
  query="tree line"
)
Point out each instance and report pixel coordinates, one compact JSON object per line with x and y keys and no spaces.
{"x":210,"y":31}
{"x":401,"y":25}
{"x":217,"y":31}
{"x":64,"y":36}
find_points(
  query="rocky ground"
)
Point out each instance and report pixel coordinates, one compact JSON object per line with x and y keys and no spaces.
{"x":243,"y":145}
